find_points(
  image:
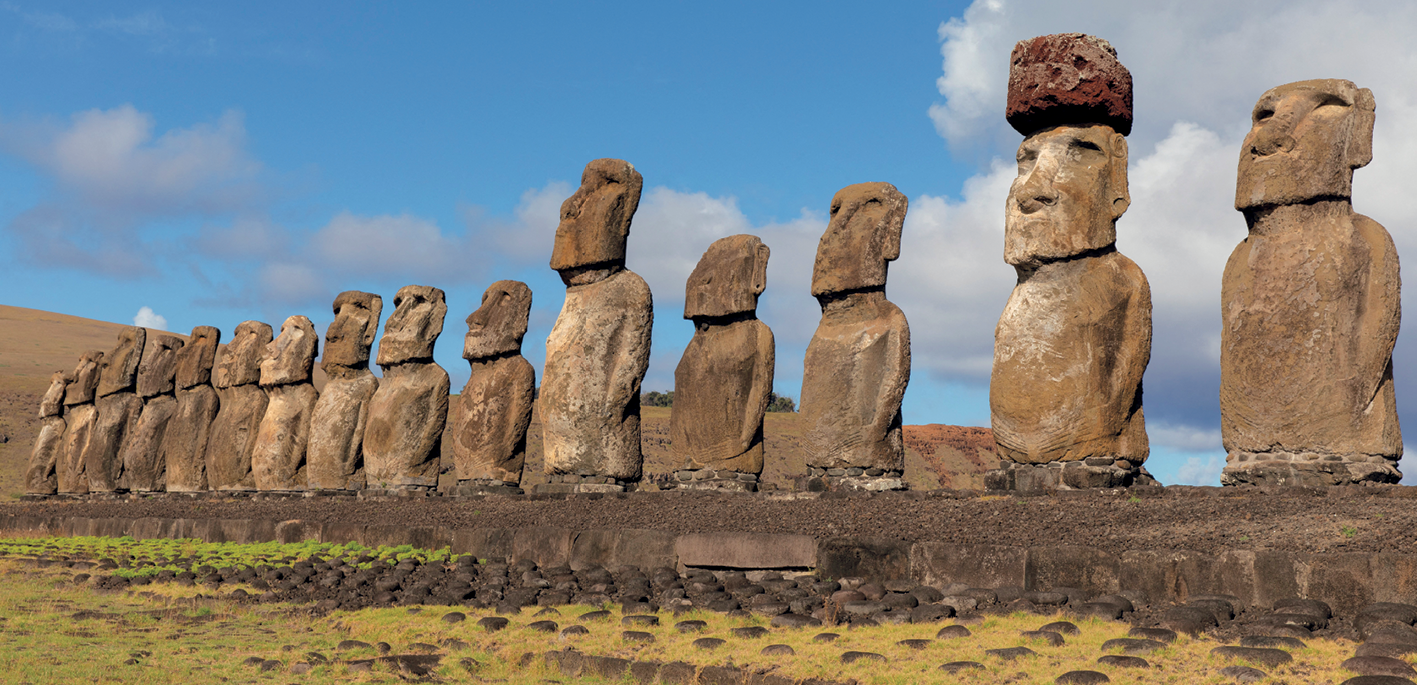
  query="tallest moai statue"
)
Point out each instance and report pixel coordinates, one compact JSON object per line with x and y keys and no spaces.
{"x":1310,"y":301}
{"x":598,"y":351}
{"x":1075,"y":336}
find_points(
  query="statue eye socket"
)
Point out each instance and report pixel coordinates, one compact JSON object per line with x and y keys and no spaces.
{"x":1086,"y":145}
{"x":1263,"y":115}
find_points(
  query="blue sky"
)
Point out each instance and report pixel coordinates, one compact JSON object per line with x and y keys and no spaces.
{"x":220,"y":163}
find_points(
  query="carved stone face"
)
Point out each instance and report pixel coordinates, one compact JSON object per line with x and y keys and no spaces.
{"x":53,"y":402}
{"x":1305,"y":142}
{"x":241,"y":365}
{"x":1070,"y":190}
{"x":595,"y":221}
{"x":728,"y":279}
{"x":159,"y":368}
{"x":415,"y":325}
{"x":862,"y":236}
{"x":291,"y":356}
{"x":498,"y":326}
{"x":195,"y":359}
{"x":120,"y":367}
{"x":348,"y":339}
{"x":85,"y":382}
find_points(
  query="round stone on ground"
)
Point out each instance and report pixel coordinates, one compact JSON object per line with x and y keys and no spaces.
{"x":300,"y":668}
{"x":351,"y":644}
{"x":1259,"y":655}
{"x":636,"y":636}
{"x":1061,"y":627}
{"x":708,"y":643}
{"x":640,"y":620}
{"x":690,"y":626}
{"x":1274,"y":641}
{"x":1131,"y":645}
{"x":914,"y":644}
{"x":951,"y":632}
{"x":795,"y":621}
{"x":544,"y":626}
{"x":957,"y":666}
{"x":1010,"y":653}
{"x":548,"y":611}
{"x":270,"y":665}
{"x":1082,"y":678}
{"x":1159,"y":634}
{"x":749,"y":632}
{"x":253,"y":661}
{"x":422,"y":647}
{"x":1103,"y":610}
{"x":778,"y":650}
{"x":1377,"y":680}
{"x":1243,"y":674}
{"x":454,"y":617}
{"x":1378,"y":665}
{"x":825,"y":637}
{"x":1122,"y":661}
{"x":572,"y":631}
{"x":1392,"y":611}
{"x":601,"y":615}
{"x":1391,"y":649}
{"x":853,"y":657}
{"x":1048,"y":636}
{"x":493,"y":624}
{"x":1394,"y":633}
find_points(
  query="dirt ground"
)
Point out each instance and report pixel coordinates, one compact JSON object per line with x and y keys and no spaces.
{"x":1354,"y":519}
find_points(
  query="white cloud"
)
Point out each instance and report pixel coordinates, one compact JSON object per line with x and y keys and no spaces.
{"x":1200,"y":471}
{"x":147,"y":318}
{"x":387,"y":245}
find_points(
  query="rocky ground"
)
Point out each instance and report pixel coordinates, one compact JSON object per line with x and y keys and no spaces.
{"x":1351,"y":519}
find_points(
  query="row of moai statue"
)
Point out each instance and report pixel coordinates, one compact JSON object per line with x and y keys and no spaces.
{"x":1309,"y":305}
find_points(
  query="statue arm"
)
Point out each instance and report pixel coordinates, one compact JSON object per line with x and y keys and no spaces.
{"x":1134,"y":353}
{"x":897,"y":374}
{"x":1382,"y":311}
{"x":518,"y":415}
{"x":757,"y":403}
{"x":631,"y":357}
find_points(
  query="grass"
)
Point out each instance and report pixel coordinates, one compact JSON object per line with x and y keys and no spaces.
{"x":52,"y":630}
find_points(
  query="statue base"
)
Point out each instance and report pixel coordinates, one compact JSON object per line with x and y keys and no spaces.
{"x":851,"y":480}
{"x":1090,"y":473}
{"x":478,"y":486}
{"x":568,"y":483}
{"x":1308,"y":469}
{"x":714,"y":479}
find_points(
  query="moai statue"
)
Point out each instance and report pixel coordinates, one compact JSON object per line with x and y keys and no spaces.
{"x":79,"y":417}
{"x":723,"y":381}
{"x":243,"y":403}
{"x":144,"y":466}
{"x":858,"y":362}
{"x":403,"y":440}
{"x":598,"y":351}
{"x":335,"y":457}
{"x":184,"y":445}
{"x":1310,"y":301}
{"x":41,"y":477}
{"x":1075,"y":335}
{"x":278,"y":457}
{"x":489,"y":420}
{"x":118,"y":409}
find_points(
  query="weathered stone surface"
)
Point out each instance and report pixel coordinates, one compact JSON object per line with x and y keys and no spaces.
{"x":858,"y":362}
{"x":1067,"y":79}
{"x":158,"y":372}
{"x":335,"y":456}
{"x":41,"y":474}
{"x":116,"y":421}
{"x":242,"y":404}
{"x":120,"y":366}
{"x":118,"y":408}
{"x":1310,"y":300}
{"x":490,"y":420}
{"x":1075,"y":336}
{"x":278,"y":457}
{"x":723,"y":380}
{"x":184,"y":444}
{"x":598,"y":351}
{"x":410,"y":408}
{"x":195,"y":359}
{"x":85,"y":384}
{"x":79,"y":421}
{"x":144,"y":468}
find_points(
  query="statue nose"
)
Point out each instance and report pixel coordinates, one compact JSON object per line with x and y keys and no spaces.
{"x":1269,"y":143}
{"x":1037,"y":192}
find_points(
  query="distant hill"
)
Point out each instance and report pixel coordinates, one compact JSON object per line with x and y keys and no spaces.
{"x":34,"y":344}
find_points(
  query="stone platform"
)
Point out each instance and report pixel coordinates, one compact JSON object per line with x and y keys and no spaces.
{"x":1092,"y":473}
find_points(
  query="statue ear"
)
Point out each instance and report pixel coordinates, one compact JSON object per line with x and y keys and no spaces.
{"x":1121,"y":196}
{"x":1359,"y":149}
{"x":760,"y":269}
